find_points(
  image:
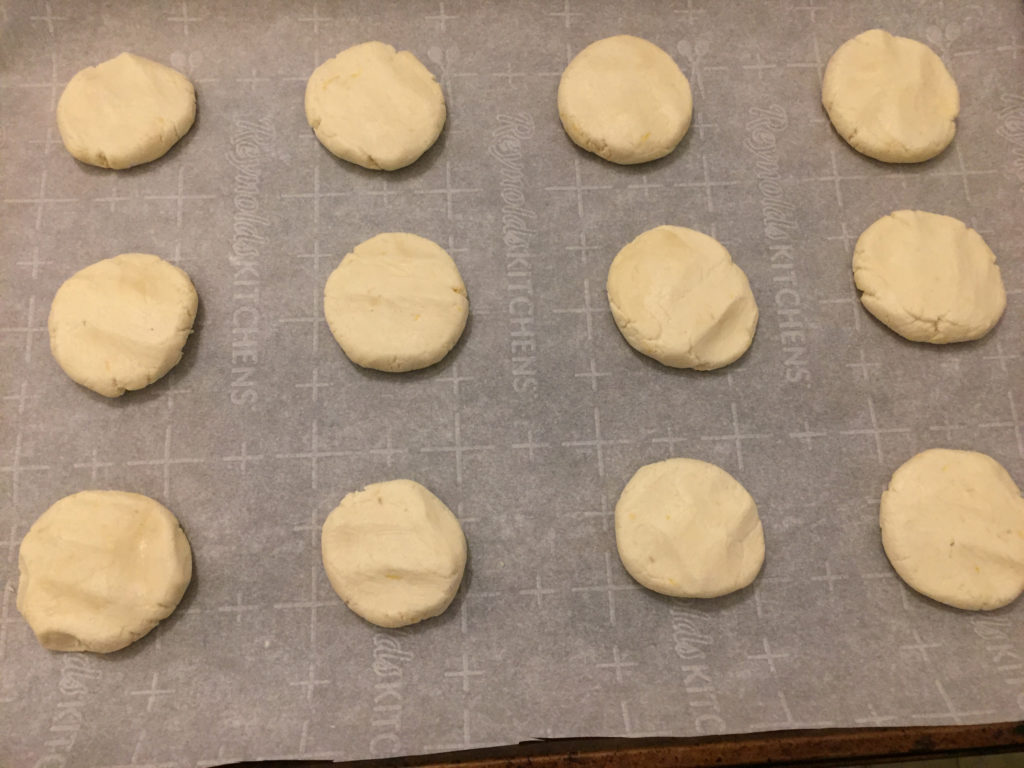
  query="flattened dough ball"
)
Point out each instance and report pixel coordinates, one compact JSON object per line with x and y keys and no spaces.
{"x":687,"y":528}
{"x":124,"y":112}
{"x":100,"y":569}
{"x":677,"y":296}
{"x":953,"y":529}
{"x":890,"y":98}
{"x":624,"y":99}
{"x":375,"y":107}
{"x":122,"y":323}
{"x":396,"y":303}
{"x":928,"y":277}
{"x":394,"y":553}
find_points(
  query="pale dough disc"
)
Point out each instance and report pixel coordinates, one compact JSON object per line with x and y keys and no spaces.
{"x":687,"y":528}
{"x":375,"y":107}
{"x":890,"y":97}
{"x":677,"y":296}
{"x":394,"y":553}
{"x":623,"y":98}
{"x":100,"y":569}
{"x":928,"y":277}
{"x":396,"y":303}
{"x":953,"y":528}
{"x":126,"y":111}
{"x":122,"y":323}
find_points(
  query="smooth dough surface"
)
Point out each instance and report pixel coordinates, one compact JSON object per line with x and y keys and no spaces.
{"x":890,"y":98}
{"x":687,"y":528}
{"x":953,"y":528}
{"x":928,"y":277}
{"x":677,"y":296}
{"x":394,"y":553}
{"x":396,"y":303}
{"x":126,"y":111}
{"x":375,"y":107}
{"x":100,"y":569}
{"x":624,"y":99}
{"x":122,"y":323}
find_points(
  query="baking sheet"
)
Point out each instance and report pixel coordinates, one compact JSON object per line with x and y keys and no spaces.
{"x":533,"y":424}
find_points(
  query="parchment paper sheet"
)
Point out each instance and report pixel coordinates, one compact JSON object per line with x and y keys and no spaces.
{"x":533,"y":424}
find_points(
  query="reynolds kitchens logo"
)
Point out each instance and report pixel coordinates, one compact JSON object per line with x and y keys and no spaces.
{"x":249,"y":144}
{"x":1012,"y":129}
{"x":518,"y":228}
{"x":779,"y":224}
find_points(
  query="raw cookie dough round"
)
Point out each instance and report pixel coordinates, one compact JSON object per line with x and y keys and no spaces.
{"x":687,"y":528}
{"x":394,"y":553}
{"x":396,"y":303}
{"x":100,"y":569}
{"x":890,"y":98}
{"x":677,"y":296}
{"x":375,"y":107}
{"x":623,"y":98}
{"x":928,"y":277}
{"x":953,"y":529}
{"x":121,"y":323}
{"x":126,"y":111}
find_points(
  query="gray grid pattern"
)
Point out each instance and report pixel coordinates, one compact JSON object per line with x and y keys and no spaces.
{"x":533,"y":424}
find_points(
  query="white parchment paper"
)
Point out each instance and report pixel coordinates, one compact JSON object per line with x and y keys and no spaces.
{"x":533,"y":424}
